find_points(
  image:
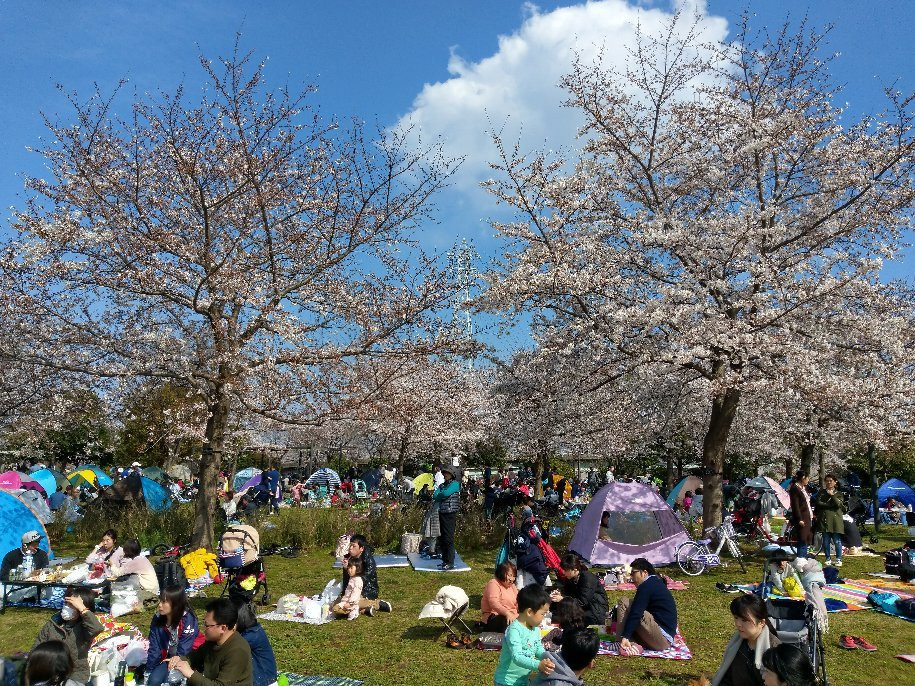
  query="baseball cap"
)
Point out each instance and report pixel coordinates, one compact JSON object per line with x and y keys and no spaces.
{"x":136,"y":464}
{"x":30,"y":537}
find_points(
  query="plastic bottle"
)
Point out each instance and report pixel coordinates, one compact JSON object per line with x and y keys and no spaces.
{"x":175,"y":678}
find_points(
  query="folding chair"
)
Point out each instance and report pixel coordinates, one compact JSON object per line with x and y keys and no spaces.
{"x":455,"y":617}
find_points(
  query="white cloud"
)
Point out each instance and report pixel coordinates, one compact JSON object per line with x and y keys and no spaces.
{"x":516,"y":90}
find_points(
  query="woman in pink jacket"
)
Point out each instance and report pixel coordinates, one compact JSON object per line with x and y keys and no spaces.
{"x":500,"y":599}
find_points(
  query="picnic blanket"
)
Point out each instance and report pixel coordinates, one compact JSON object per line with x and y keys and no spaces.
{"x":425,"y":564}
{"x":383,"y":561}
{"x":889,"y":582}
{"x":678,"y":651}
{"x":300,"y":680}
{"x":853,"y":595}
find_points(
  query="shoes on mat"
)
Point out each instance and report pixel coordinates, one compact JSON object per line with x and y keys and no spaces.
{"x":847,"y":642}
{"x":864,"y":644}
{"x":385,"y":606}
{"x":445,"y":566}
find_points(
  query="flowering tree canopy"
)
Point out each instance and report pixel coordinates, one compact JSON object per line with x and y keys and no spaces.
{"x":720,"y":221}
{"x":238,"y":245}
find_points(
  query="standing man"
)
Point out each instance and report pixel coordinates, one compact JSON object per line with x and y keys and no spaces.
{"x":225,"y":657}
{"x":448,"y":498}
{"x":272,"y":475}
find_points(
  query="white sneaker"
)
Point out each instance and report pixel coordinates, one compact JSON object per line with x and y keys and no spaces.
{"x":838,"y":563}
{"x":828,"y":562}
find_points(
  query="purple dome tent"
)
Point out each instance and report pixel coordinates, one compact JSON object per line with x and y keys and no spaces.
{"x":641,"y":525}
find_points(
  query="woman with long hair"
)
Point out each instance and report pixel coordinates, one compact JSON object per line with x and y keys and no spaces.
{"x":173,"y":631}
{"x":787,"y":665}
{"x":107,"y":551}
{"x":135,"y":563}
{"x":753,"y":636}
{"x":801,"y":511}
{"x":49,"y":664}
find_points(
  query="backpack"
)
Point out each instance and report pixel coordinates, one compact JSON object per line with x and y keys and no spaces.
{"x":892,"y":560}
{"x":170,"y":573}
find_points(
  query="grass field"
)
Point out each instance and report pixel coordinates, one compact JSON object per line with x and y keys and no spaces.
{"x":398,"y":648}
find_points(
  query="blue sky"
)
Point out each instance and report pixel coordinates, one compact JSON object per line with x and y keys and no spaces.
{"x":453,"y":66}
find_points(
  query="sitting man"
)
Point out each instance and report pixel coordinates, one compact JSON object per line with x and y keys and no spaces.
{"x":892,"y":512}
{"x":28,"y":553}
{"x":651,"y":618}
{"x":224,"y":659}
{"x":359,"y":549}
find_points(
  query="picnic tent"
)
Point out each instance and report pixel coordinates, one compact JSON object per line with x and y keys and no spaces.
{"x":101,"y":477}
{"x":567,"y":491}
{"x":764,"y":483}
{"x":241,"y":476}
{"x":14,"y":481}
{"x":898,"y":489}
{"x":50,"y":480}
{"x":39,"y":505}
{"x":641,"y":525}
{"x":135,"y":488}
{"x":324,"y":477}
{"x":16,"y":517}
{"x":181,"y":471}
{"x":687,"y":483}
{"x":156,"y":474}
{"x":422,"y":480}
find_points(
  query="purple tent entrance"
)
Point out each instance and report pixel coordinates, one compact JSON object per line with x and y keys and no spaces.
{"x":641,"y":525}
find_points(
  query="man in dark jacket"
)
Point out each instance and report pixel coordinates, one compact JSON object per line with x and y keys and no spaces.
{"x":225,"y":658}
{"x":359,"y":549}
{"x":29,"y":550}
{"x":651,"y":618}
{"x":75,"y":625}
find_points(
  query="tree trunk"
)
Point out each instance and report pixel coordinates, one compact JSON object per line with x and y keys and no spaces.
{"x":204,"y":532}
{"x":670,"y":469}
{"x":807,"y":456}
{"x":822,"y":466}
{"x":789,"y":467}
{"x":724,"y":405}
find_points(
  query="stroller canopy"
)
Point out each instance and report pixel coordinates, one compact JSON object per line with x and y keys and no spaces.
{"x":641,"y":525}
{"x":764,"y":483}
{"x":898,"y":489}
{"x":16,"y":517}
{"x":687,"y":483}
{"x":238,"y":481}
{"x":324,"y":477}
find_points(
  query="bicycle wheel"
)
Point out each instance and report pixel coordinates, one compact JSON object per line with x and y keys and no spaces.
{"x":159,"y":549}
{"x":687,"y":557}
{"x":735,"y":551}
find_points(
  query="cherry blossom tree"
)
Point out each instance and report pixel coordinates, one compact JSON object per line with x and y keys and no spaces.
{"x":238,"y":245}
{"x":724,"y":219}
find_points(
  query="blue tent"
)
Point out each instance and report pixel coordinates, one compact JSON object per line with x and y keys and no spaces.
{"x":898,"y":489}
{"x":242,"y":476}
{"x":48,"y":480}
{"x":678,"y":492}
{"x":156,"y":495}
{"x":16,"y":518}
{"x":786,"y":484}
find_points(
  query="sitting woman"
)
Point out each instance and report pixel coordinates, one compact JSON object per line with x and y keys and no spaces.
{"x":499,"y":604}
{"x":583,"y":587}
{"x":784,"y":576}
{"x":49,"y":664}
{"x":787,"y":665}
{"x":173,"y":631}
{"x":107,"y":552}
{"x":134,"y":563}
{"x":743,"y":656}
{"x":263,"y":660}
{"x":603,"y":533}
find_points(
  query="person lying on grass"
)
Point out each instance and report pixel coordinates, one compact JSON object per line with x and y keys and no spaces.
{"x":522,"y":649}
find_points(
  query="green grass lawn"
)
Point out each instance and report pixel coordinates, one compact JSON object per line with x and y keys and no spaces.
{"x":398,"y":648}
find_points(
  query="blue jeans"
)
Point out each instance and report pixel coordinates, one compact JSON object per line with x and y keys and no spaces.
{"x":802,"y":549}
{"x":158,"y":675}
{"x":831,"y":538}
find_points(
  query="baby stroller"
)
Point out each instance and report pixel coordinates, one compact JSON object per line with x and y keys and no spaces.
{"x":795,"y":622}
{"x":241,"y":565}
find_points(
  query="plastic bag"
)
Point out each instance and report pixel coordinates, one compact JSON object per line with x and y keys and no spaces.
{"x":288,"y":604}
{"x":332,"y":590}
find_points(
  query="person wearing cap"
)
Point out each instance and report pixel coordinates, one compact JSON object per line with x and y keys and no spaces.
{"x":448,"y":497}
{"x":29,"y":550}
{"x":136,"y":467}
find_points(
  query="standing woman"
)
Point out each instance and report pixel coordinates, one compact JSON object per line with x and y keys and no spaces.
{"x":448,"y":497}
{"x":830,"y":508}
{"x":801,"y":512}
{"x":173,"y":631}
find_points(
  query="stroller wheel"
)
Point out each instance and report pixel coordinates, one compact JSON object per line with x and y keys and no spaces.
{"x":874,"y":539}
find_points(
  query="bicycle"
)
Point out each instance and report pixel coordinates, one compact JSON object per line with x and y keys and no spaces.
{"x":694,"y":556}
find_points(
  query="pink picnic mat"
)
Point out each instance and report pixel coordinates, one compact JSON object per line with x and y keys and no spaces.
{"x":678,"y":651}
